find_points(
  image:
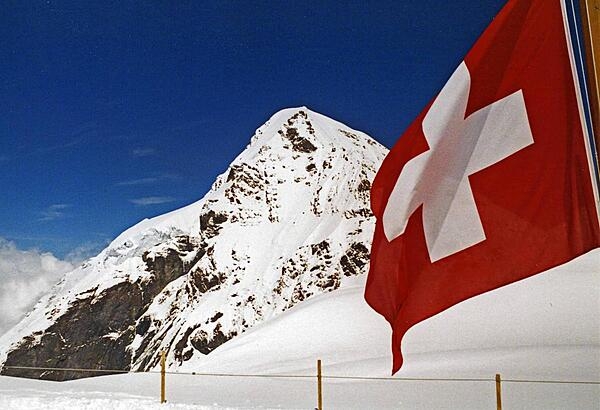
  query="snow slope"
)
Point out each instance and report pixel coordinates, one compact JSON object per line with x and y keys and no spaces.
{"x":542,"y":328}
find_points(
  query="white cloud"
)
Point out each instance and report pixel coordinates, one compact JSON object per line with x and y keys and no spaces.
{"x":24,"y":277}
{"x":141,"y":181}
{"x":53,"y":212}
{"x":85,"y":251}
{"x":151,"y":200}
{"x":142,"y":152}
{"x":148,"y":180}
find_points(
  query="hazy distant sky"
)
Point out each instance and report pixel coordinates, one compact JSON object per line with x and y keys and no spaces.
{"x":111,"y":112}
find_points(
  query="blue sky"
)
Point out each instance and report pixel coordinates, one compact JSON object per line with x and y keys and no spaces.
{"x":111,"y":112}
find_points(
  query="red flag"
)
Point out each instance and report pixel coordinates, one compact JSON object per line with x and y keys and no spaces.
{"x":491,"y":183}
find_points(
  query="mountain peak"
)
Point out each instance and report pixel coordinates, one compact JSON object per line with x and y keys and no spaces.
{"x":287,"y":220}
{"x":301,"y":131}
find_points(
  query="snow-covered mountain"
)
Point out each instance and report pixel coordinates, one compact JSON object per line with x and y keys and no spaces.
{"x":288,"y":220}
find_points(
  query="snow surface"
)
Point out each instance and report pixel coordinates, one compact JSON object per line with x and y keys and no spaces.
{"x":542,"y":328}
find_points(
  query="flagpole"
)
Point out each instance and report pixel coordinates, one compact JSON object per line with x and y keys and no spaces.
{"x":589,"y":13}
{"x":590,"y":18}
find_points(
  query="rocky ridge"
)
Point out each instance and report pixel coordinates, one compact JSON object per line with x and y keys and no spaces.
{"x":289,"y":219}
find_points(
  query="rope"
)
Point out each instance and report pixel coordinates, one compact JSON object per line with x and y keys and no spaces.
{"x":550,"y":381}
{"x":268,"y":376}
{"x":70,"y":369}
{"x":298,"y":376}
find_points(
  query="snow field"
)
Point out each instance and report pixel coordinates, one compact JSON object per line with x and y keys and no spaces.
{"x":543,"y":328}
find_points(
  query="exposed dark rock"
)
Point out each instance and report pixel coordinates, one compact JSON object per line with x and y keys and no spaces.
{"x":143,"y":325}
{"x":187,"y":355}
{"x":180,"y":353}
{"x":320,"y":248}
{"x":315,"y":203}
{"x":351,"y":135}
{"x":353,"y":213}
{"x":299,"y":143}
{"x":168,"y":265}
{"x":145,"y":342}
{"x":355,"y":258}
{"x":210,"y":223}
{"x":330,"y":283}
{"x":216,"y":317}
{"x":298,"y":295}
{"x":245,"y":181}
{"x":311,"y":130}
{"x":205,"y":343}
{"x":96,"y":329}
{"x":364,"y":186}
{"x":92,"y":334}
{"x":206,"y":280}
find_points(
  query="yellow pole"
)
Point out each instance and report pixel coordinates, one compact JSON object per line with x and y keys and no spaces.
{"x":498,"y":393}
{"x":319,"y":386}
{"x":163,"y":360}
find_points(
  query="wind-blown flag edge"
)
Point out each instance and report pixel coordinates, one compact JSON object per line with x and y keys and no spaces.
{"x":388,"y":293}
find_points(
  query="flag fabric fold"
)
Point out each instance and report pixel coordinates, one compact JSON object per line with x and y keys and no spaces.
{"x":491,"y":183}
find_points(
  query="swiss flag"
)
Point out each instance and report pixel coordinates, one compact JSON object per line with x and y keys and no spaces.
{"x":491,"y":183}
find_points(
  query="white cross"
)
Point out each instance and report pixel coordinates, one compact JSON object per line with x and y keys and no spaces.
{"x":459,"y":146}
